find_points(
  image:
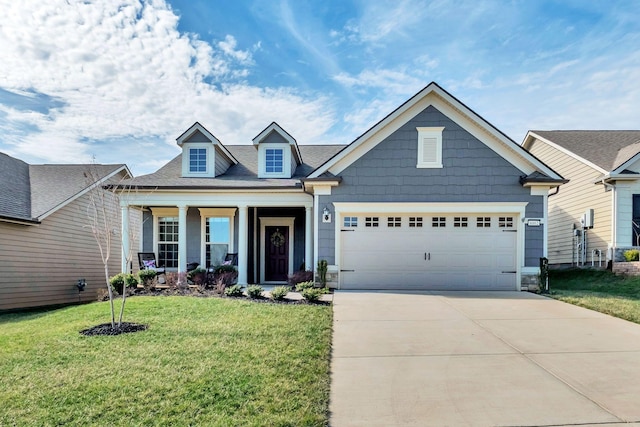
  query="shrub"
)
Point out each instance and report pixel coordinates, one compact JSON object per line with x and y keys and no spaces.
{"x":176,"y":280}
{"x":119,"y":281}
{"x":279,"y":292}
{"x":312,"y":294}
{"x":147,"y":278}
{"x":233,"y":291}
{"x":254,"y":291}
{"x":224,"y":268}
{"x":304,"y":285}
{"x":631,"y":255}
{"x":198,"y":276}
{"x":322,"y":271}
{"x":299,"y":276}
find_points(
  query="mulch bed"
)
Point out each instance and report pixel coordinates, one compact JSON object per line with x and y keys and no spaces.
{"x":106,"y":329}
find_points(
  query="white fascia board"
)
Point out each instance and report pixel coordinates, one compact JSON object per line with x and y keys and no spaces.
{"x":426,"y":207}
{"x":454,"y":110}
{"x":85,"y":191}
{"x":275,"y":127}
{"x":625,"y":165}
{"x":215,"y":141}
{"x":531,"y":134}
{"x":222,"y":199}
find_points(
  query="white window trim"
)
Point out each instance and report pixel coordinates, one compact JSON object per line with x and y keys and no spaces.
{"x":286,"y":160}
{"x":210,"y":156}
{"x":429,"y":132}
{"x":215,"y":213}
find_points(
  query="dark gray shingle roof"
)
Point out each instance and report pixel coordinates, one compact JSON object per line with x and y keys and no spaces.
{"x":51,"y":185}
{"x":607,"y":149}
{"x":29,"y":191}
{"x":15,"y":197}
{"x":242,"y":175}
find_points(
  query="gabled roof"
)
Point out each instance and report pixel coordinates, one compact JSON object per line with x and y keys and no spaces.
{"x":197,"y":127}
{"x":29,"y":193}
{"x":447,"y":104}
{"x":605,"y":150}
{"x":243,"y":175}
{"x":275,"y":127}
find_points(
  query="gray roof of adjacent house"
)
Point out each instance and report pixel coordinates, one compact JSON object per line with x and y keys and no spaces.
{"x":28,"y":192}
{"x":240,"y":176}
{"x":607,"y":149}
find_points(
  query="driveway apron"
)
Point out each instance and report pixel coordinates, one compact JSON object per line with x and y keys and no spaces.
{"x":480,"y":359}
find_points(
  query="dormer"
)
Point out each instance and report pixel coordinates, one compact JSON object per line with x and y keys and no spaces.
{"x":203,"y":155}
{"x":278,"y":153}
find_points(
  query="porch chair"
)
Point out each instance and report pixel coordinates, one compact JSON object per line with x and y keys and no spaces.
{"x":231,"y":259}
{"x":148,"y":261}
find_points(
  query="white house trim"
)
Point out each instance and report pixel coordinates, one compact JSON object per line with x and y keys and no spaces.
{"x":275,"y":222}
{"x":527,"y":144}
{"x":452,"y":108}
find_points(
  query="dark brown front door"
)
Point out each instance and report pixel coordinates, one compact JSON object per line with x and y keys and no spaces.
{"x":276,"y":254}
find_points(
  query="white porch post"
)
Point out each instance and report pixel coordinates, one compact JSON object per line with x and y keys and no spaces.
{"x":315,"y":232}
{"x":243,"y":235}
{"x":182,"y":238}
{"x":308,"y":218}
{"x":126,"y":244}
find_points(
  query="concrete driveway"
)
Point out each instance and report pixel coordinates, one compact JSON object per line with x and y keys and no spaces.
{"x":480,"y":359}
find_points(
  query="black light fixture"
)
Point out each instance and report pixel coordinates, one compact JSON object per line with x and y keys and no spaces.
{"x":81,"y":285}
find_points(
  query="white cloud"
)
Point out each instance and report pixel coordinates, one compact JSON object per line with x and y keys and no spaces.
{"x":122,"y":70}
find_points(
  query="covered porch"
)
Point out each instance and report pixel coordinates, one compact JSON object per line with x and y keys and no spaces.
{"x":272,"y":234}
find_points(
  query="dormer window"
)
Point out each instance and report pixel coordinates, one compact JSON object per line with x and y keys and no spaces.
{"x":274,"y":160}
{"x":197,"y":160}
{"x":278,"y":153}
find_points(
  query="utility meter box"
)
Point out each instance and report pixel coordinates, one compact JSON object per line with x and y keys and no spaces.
{"x":587,"y":219}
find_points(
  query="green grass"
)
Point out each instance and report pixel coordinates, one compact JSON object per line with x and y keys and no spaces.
{"x":203,"y":361}
{"x":602,"y":291}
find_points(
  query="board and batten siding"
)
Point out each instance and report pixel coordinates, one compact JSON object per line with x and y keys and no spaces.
{"x":41,"y":264}
{"x":568,"y":206}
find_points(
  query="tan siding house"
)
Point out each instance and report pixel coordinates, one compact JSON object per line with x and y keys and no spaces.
{"x":46,"y":246}
{"x":603,"y":175}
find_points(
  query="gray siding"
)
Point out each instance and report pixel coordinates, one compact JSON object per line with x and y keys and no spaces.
{"x":222,"y":163}
{"x":147,"y":231}
{"x":274,"y":137}
{"x":193,"y":235}
{"x":472,"y":172}
{"x":198,"y":137}
{"x":40,"y":265}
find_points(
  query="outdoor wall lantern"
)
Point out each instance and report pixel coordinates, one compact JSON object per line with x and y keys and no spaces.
{"x":326,"y":215}
{"x":81,"y":285}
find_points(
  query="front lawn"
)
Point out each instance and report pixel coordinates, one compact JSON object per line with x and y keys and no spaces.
{"x":598,"y":290}
{"x":203,"y":361}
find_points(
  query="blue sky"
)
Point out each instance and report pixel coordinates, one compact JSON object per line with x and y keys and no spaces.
{"x":119,"y":81}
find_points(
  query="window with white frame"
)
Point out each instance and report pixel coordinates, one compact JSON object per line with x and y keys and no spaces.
{"x":197,"y":160}
{"x":429,"y":147}
{"x":350,"y":221}
{"x":274,"y":160}
{"x":217,"y":239}
{"x":168,"y":242}
{"x":505,"y":222}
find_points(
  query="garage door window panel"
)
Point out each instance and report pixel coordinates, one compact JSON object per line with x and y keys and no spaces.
{"x":350,"y":221}
{"x":460,"y":221}
{"x":394,"y":222}
{"x":371,"y":221}
{"x":483,"y":222}
{"x":438,"y":222}
{"x":415,"y":222}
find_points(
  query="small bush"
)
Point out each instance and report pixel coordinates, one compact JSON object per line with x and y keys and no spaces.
{"x":198,"y":276}
{"x":254,"y":291}
{"x":224,"y":268}
{"x":632,"y":255}
{"x":279,"y":292}
{"x":119,"y":281}
{"x":304,"y":285}
{"x":233,"y":291}
{"x":312,"y":294}
{"x":147,"y":278}
{"x":299,"y":276}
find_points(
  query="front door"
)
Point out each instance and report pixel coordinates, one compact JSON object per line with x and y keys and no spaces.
{"x":276,"y":253}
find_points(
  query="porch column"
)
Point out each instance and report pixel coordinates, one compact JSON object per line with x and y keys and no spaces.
{"x":243,"y":235}
{"x":308,"y":239}
{"x":126,"y":244}
{"x":182,"y":238}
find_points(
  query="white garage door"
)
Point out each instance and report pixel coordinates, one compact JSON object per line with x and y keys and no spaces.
{"x":444,"y":252}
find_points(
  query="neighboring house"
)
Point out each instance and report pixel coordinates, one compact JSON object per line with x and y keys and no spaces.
{"x":431,"y":197}
{"x":45,"y":244}
{"x":598,"y":211}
